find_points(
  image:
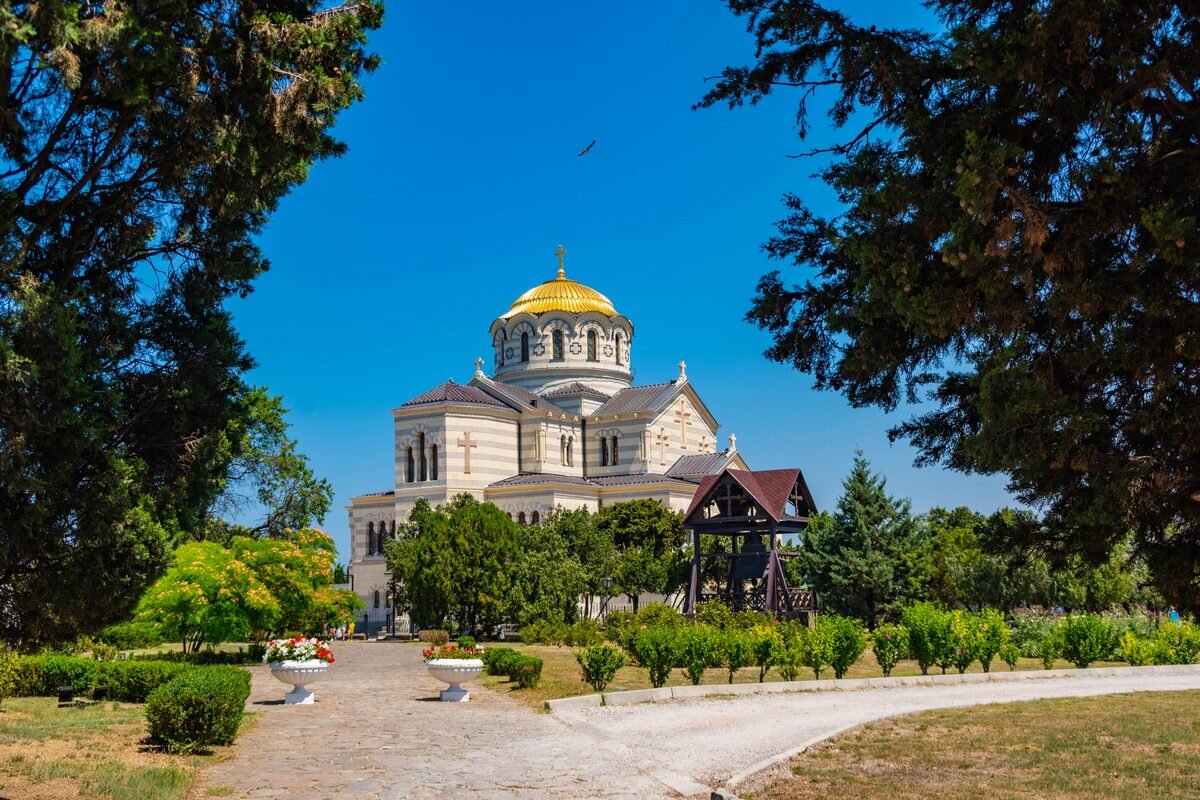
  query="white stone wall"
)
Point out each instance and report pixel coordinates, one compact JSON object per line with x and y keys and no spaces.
{"x":368,"y":572}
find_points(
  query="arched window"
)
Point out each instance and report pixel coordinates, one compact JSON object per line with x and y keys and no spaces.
{"x":536,"y":518}
{"x":603,"y":452}
{"x":557,"y":346}
{"x":613,"y":458}
{"x":424,"y":462}
{"x":377,"y":598}
{"x":433,"y":460}
{"x":618,"y":348}
{"x":591,"y":340}
{"x":370,"y":538}
{"x":562,"y":451}
{"x":410,"y":474}
{"x":521,"y":518}
{"x":500,"y":342}
{"x":525,"y":347}
{"x":570,"y":451}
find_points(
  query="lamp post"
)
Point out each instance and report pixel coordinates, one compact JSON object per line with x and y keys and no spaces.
{"x":607,"y":581}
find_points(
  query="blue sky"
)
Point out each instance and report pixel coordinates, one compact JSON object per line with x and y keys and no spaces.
{"x":391,"y":262}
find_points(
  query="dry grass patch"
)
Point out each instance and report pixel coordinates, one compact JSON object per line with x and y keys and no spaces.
{"x":97,"y":751}
{"x":1118,"y":747}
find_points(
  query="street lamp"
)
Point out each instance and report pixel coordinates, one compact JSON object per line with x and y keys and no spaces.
{"x":607,"y":581}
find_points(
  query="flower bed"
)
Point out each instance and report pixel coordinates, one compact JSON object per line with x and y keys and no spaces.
{"x":449,"y":651}
{"x":299,"y":648}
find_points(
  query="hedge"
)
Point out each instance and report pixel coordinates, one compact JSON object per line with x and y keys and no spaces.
{"x":40,"y":676}
{"x":131,"y":635}
{"x":133,"y":681}
{"x":201,"y":707}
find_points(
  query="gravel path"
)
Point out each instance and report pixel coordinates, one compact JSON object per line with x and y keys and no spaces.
{"x":377,"y":732}
{"x":716,"y":740}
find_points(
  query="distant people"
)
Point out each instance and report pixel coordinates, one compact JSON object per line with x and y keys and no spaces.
{"x":1173,"y":615}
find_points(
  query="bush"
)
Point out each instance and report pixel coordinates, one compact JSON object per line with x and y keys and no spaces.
{"x":928,"y":634}
{"x":600,"y":663}
{"x":8,"y":673}
{"x":659,"y":615}
{"x":1136,"y":651}
{"x":465,"y":642}
{"x":1010,"y":654}
{"x":737,"y":648}
{"x":1029,"y":627}
{"x":40,"y":676}
{"x":1176,"y":643}
{"x":199,"y":708}
{"x":585,"y":633}
{"x":132,"y":681}
{"x":787,"y":656}
{"x":698,"y":648}
{"x":752,"y":619}
{"x":208,"y":658}
{"x":762,"y":641}
{"x":715,"y":614}
{"x":545,"y":632}
{"x":847,"y":640}
{"x":889,"y":642}
{"x":800,"y":646}
{"x":991,"y":634}
{"x":497,"y":660}
{"x":1049,"y":647}
{"x":964,"y":640}
{"x":1086,"y":638}
{"x":131,"y":635}
{"x":655,"y":649}
{"x":434,"y":636}
{"x":104,"y":652}
{"x":616,"y":623}
{"x":525,"y":671}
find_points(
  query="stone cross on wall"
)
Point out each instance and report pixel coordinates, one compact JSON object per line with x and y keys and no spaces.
{"x":684,"y":416}
{"x":466,"y":444}
{"x":662,"y":447}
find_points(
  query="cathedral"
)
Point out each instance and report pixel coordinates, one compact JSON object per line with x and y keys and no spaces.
{"x":557,"y":423}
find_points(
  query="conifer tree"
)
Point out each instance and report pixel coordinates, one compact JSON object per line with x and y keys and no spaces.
{"x":866,"y":558}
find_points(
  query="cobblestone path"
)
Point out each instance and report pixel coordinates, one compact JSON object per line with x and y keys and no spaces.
{"x":377,"y":732}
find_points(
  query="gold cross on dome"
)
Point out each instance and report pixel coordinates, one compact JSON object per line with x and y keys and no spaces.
{"x":560,"y":252}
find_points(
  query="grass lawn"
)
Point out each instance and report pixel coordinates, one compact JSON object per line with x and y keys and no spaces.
{"x":561,"y":676}
{"x":1120,"y":747}
{"x":91,"y":752}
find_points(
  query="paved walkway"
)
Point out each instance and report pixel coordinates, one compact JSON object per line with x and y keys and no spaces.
{"x":377,"y":732}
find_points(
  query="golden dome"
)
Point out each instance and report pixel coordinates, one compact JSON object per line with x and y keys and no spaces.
{"x":561,"y":294}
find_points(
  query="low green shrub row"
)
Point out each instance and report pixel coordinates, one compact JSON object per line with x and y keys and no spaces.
{"x":131,"y":635}
{"x":127,"y":681}
{"x":252,"y":654}
{"x":521,"y":669}
{"x":201,"y":707}
{"x":581,"y":634}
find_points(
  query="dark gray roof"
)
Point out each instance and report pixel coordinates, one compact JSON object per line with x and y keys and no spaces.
{"x":638,"y":398}
{"x":523,"y":398}
{"x":451,"y":392}
{"x":575,"y":389}
{"x":697,"y":466}
{"x":541,"y":478}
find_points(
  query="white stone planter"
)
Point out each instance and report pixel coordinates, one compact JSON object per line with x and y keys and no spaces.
{"x":299,"y":674}
{"x":455,"y":671}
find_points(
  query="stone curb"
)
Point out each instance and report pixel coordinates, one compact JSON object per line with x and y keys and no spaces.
{"x":850,"y":684}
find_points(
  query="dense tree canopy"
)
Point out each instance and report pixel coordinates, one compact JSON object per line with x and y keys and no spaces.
{"x":1018,"y":243}
{"x":142,"y":147}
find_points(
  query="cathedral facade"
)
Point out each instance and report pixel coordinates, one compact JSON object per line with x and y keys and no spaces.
{"x":558,"y":423}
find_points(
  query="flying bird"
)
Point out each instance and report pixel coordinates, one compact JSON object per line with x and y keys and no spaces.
{"x":583,"y":152}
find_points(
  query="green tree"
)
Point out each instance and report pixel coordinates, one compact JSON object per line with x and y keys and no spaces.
{"x":340,"y":575}
{"x":143,"y":149}
{"x":593,"y":550}
{"x":208,"y":597}
{"x":456,"y":564}
{"x":547,"y":577}
{"x":867,"y":558}
{"x":1018,"y":243}
{"x":648,"y":538}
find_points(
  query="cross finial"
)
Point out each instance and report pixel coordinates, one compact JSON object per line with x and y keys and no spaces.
{"x":479,"y":366}
{"x":560,"y":252}
{"x":733,"y":443}
{"x":682,"y":371}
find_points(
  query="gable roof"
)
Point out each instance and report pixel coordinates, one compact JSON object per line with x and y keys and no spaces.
{"x":451,"y":392}
{"x":652,"y":397}
{"x":575,"y":388}
{"x":695,"y":467}
{"x":516,"y":397}
{"x":770,"y":488}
